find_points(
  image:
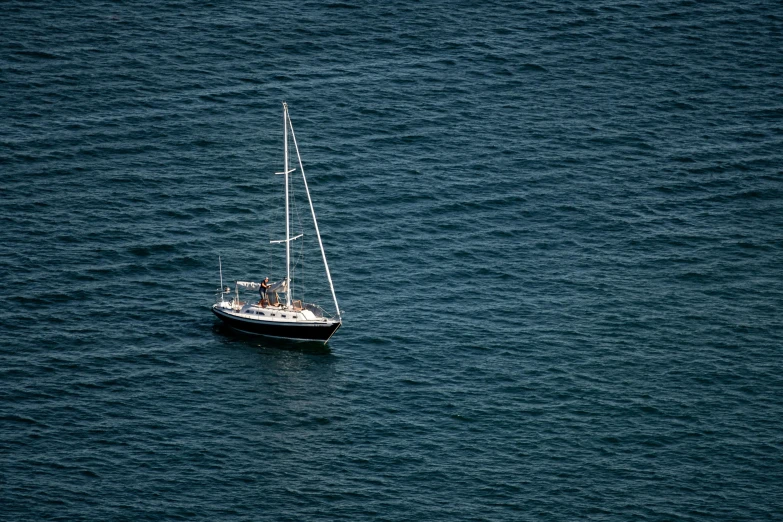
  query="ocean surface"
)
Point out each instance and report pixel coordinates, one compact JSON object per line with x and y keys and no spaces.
{"x":555,"y":230}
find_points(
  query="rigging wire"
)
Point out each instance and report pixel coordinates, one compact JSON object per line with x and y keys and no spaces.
{"x":299,"y":263}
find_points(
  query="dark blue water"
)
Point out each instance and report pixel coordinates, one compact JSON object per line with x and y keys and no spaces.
{"x":555,"y":228}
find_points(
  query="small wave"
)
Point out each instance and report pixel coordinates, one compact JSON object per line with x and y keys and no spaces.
{"x":533,"y":67}
{"x":176,"y":214}
{"x":374,"y":340}
{"x":145,"y":251}
{"x":746,"y":195}
{"x":496,"y":58}
{"x":775,"y":114}
{"x":211,"y":98}
{"x":139,"y":251}
{"x":693,"y":276}
{"x":41,"y":55}
{"x":683,"y":106}
{"x":19,"y":419}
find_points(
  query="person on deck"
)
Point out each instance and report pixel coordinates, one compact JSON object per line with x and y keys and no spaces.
{"x":263,"y":288}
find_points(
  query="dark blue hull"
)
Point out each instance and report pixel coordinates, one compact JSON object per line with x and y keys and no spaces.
{"x":304,"y":332}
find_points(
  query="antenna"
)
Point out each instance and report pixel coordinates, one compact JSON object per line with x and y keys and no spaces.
{"x":220,"y":266}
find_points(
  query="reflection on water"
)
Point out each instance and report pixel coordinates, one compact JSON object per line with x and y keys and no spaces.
{"x":288,"y":371}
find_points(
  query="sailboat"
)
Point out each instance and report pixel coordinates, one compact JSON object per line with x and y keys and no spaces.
{"x":289,"y":318}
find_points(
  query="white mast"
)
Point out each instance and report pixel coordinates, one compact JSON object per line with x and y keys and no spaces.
{"x":312,"y":211}
{"x":287,"y":225}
